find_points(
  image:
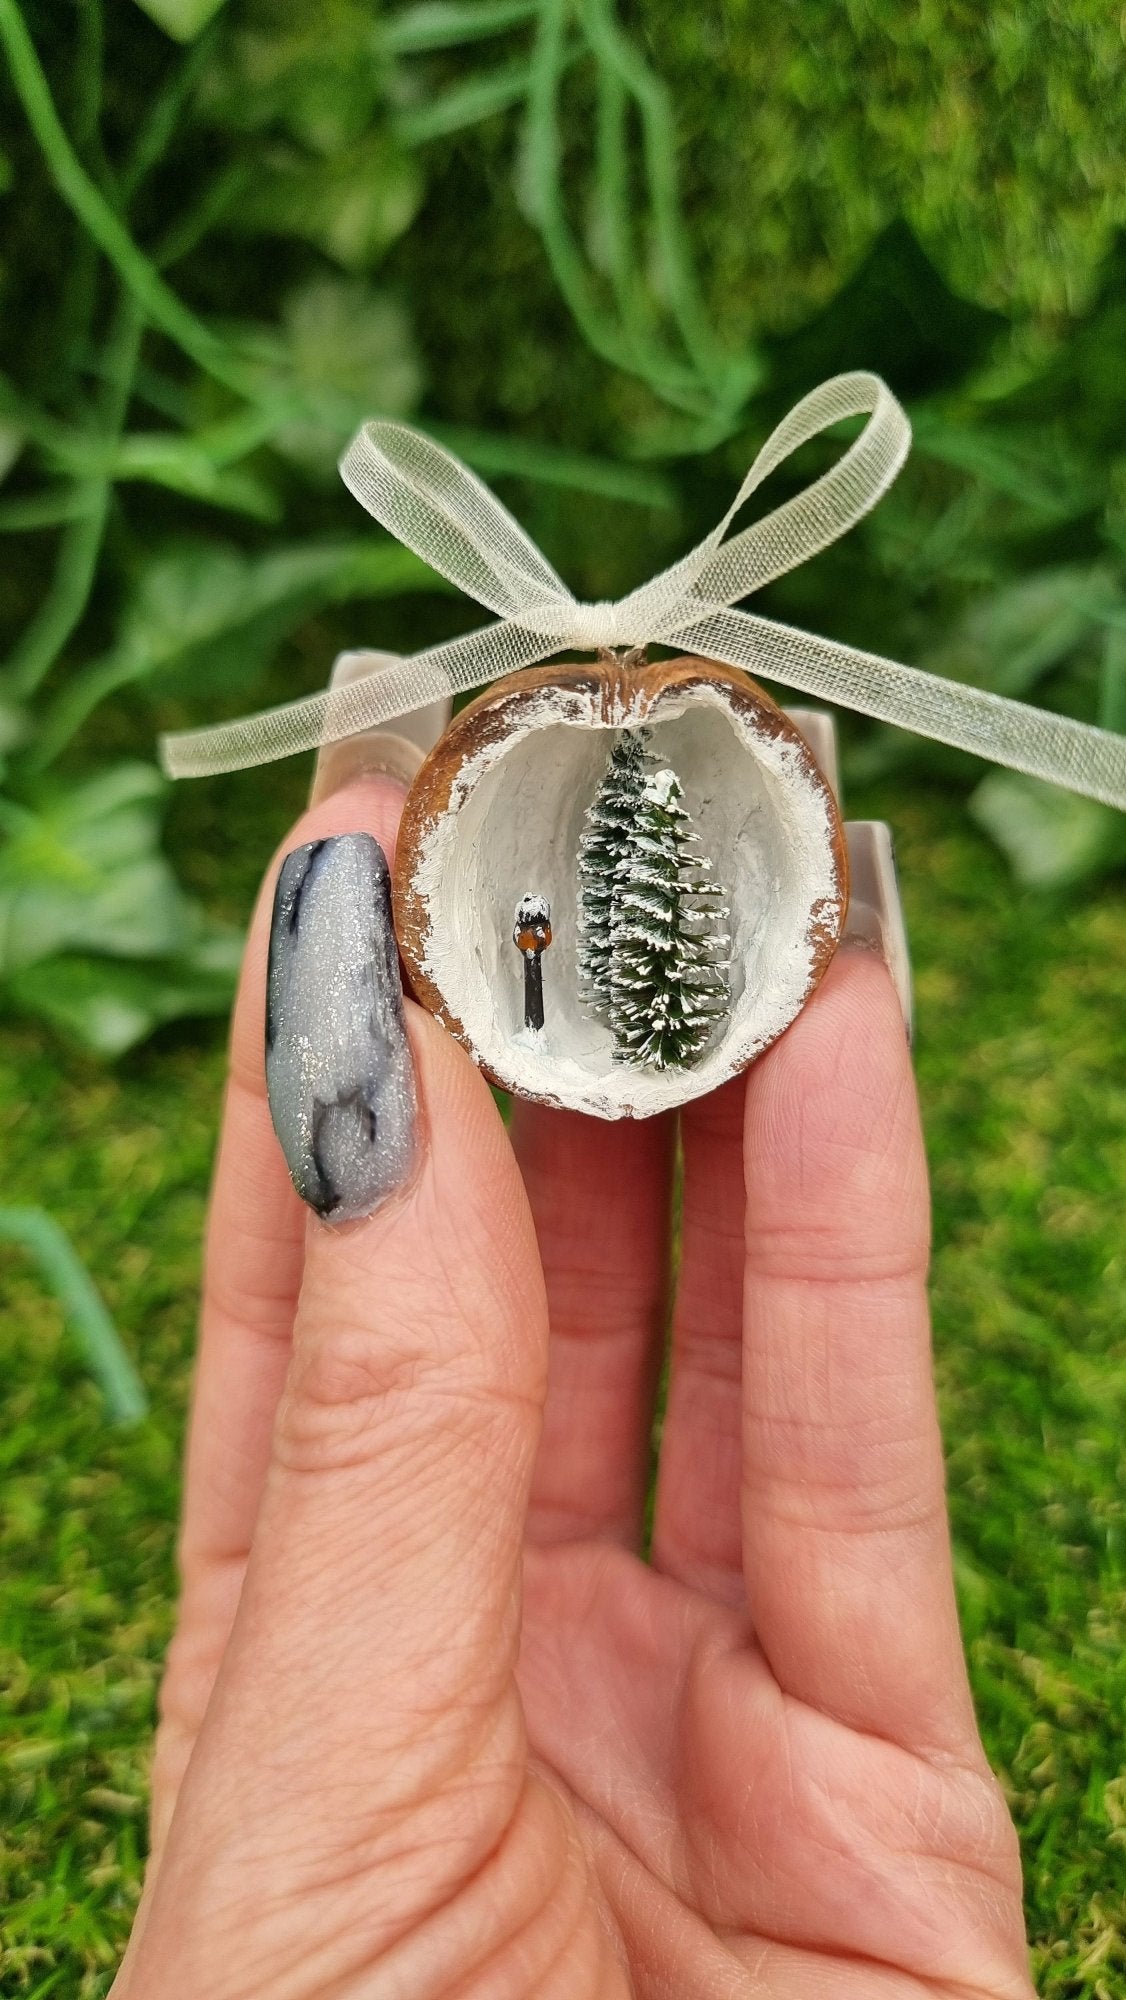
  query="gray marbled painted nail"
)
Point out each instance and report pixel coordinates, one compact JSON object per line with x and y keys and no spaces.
{"x":338,"y":1065}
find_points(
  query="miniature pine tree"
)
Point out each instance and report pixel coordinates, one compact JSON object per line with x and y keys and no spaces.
{"x":668,"y":948}
{"x":602,"y":852}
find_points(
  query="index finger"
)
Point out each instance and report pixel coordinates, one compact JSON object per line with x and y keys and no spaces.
{"x":252,"y":1275}
{"x":845,"y":1534}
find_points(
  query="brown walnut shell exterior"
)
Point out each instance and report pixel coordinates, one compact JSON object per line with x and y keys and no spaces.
{"x":615,"y":694}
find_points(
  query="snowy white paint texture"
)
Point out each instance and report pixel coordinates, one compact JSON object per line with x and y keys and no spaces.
{"x":652,"y":949}
{"x":668,"y":949}
{"x":516,"y":816}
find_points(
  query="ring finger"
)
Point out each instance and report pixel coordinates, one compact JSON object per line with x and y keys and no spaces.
{"x":600,"y":1197}
{"x":696,"y":1533}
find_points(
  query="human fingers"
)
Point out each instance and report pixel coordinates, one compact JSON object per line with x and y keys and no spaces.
{"x":696,"y":1530}
{"x":363,"y":1724}
{"x":397,"y":752}
{"x":846,"y":1543}
{"x":252,"y":1274}
{"x":697,"y":1533}
{"x":600,"y":1196}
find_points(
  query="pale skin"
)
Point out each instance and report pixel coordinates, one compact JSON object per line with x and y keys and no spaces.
{"x":431,"y":1728}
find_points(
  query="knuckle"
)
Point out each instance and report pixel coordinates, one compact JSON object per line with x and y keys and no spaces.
{"x":847,"y":1510}
{"x":890,"y":1251}
{"x":852,"y":1478}
{"x":341,"y":1382}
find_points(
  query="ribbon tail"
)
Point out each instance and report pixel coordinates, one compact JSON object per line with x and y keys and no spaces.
{"x":379,"y":697}
{"x":1033,"y":741}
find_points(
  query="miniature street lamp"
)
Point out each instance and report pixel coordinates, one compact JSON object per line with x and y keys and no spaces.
{"x":531,"y":935}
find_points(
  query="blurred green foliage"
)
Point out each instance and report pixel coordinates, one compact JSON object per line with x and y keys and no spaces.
{"x":599,"y":251}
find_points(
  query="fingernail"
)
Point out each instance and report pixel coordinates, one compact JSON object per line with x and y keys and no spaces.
{"x":395,"y":753}
{"x":875,"y":912}
{"x":339,"y":1075}
{"x":376,"y":753}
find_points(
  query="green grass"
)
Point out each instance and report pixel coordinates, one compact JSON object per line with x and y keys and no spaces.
{"x":1019,"y":1047}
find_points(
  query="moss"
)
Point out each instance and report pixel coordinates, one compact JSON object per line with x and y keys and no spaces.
{"x":806,"y":129}
{"x":1019,"y":1016}
{"x":804,"y":132}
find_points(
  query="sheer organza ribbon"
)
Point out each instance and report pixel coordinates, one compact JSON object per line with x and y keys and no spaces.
{"x":431,"y":502}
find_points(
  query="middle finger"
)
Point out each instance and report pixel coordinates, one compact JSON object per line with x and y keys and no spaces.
{"x":600,"y":1196}
{"x":696,"y":1532}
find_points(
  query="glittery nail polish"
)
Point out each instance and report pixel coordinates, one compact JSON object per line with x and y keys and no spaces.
{"x":338,"y":1066}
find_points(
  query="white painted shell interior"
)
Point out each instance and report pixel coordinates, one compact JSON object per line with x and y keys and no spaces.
{"x":512,"y":829}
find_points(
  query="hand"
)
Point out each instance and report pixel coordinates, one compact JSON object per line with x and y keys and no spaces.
{"x":431,"y":1728}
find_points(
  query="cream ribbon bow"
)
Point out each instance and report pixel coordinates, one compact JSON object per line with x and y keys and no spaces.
{"x":431,"y":502}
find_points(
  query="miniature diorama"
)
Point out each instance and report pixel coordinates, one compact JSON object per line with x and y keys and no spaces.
{"x":690,"y":878}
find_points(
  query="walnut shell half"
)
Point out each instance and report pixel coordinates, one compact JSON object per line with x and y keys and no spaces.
{"x":497,"y":811}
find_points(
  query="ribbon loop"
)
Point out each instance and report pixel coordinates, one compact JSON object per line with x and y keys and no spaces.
{"x":831,"y":505}
{"x":436,"y":506}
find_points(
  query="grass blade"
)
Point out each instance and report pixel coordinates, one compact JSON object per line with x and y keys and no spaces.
{"x":39,"y":1233}
{"x":157,"y":300}
{"x":438,"y":25}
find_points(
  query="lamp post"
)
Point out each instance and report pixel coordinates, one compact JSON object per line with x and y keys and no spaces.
{"x":531,"y":935}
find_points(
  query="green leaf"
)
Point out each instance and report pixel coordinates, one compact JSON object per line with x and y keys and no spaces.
{"x":342,"y":352}
{"x":1051,"y":838}
{"x":48,"y":509}
{"x":106,"y":1355}
{"x":1112,"y":681}
{"x":450,"y":24}
{"x":184,"y":465}
{"x":82,"y":869}
{"x":15,"y":727}
{"x":352,"y":205}
{"x":188,"y":599}
{"x":205,"y":619}
{"x":553,"y":465}
{"x":348,"y":345}
{"x":1038,"y":470}
{"x":316,"y":72}
{"x":211,"y":617}
{"x":12,"y":441}
{"x":464,"y":104}
{"x":182,"y":19}
{"x":108,"y":1006}
{"x":1011,"y":638}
